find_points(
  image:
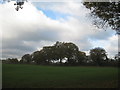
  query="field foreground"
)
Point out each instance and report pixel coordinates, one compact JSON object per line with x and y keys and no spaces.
{"x":36,"y":76}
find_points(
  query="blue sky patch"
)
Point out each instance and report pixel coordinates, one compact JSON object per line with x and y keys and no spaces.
{"x":50,"y":13}
{"x":53,"y":14}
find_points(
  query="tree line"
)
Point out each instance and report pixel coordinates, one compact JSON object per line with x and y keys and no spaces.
{"x":62,"y":53}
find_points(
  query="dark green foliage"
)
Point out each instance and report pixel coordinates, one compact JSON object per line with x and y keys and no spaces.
{"x":71,"y":52}
{"x":81,"y":57}
{"x":107,"y":12}
{"x":26,"y":58}
{"x":98,"y":55}
{"x":36,"y":56}
{"x":11,"y":60}
{"x":58,"y":51}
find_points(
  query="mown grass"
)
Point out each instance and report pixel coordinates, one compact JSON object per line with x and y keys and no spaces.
{"x":36,"y":76}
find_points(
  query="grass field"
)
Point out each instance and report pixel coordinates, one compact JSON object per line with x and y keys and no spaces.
{"x":35,"y":76}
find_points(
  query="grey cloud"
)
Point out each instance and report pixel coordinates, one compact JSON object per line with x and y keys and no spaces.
{"x":102,"y":35}
{"x":47,"y":35}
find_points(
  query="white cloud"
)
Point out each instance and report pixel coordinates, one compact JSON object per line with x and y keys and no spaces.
{"x":112,"y":47}
{"x":29,"y":29}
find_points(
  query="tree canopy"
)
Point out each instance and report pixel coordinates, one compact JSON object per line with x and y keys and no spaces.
{"x":98,"y":55}
{"x":26,"y":58}
{"x":106,"y":14}
{"x":58,"y":51}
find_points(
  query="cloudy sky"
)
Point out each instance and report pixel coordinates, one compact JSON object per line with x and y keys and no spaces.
{"x":41,"y":24}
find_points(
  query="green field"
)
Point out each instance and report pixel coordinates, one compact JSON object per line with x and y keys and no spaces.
{"x":36,"y":76}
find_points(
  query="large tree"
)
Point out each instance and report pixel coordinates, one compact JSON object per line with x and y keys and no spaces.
{"x":35,"y":56}
{"x":39,"y":57}
{"x":48,"y":53}
{"x":59,"y":51}
{"x":71,"y":52}
{"x":105,"y":14}
{"x":98,"y":55}
{"x":81,"y":57}
{"x":26,"y":58}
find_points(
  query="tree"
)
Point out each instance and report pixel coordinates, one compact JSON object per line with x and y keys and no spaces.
{"x":26,"y":58}
{"x":12,"y":60}
{"x":48,"y":54}
{"x":35,"y":56}
{"x":71,"y":52}
{"x":55,"y":52}
{"x":107,"y":12}
{"x":59,"y":51}
{"x":81,"y":57}
{"x":98,"y":55}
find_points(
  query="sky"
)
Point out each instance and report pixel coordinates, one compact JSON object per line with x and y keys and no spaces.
{"x":41,"y":24}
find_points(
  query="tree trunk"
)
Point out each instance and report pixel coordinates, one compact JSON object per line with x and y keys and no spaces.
{"x":60,"y":61}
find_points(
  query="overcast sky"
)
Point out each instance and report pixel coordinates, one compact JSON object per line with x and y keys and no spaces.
{"x":41,"y":24}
